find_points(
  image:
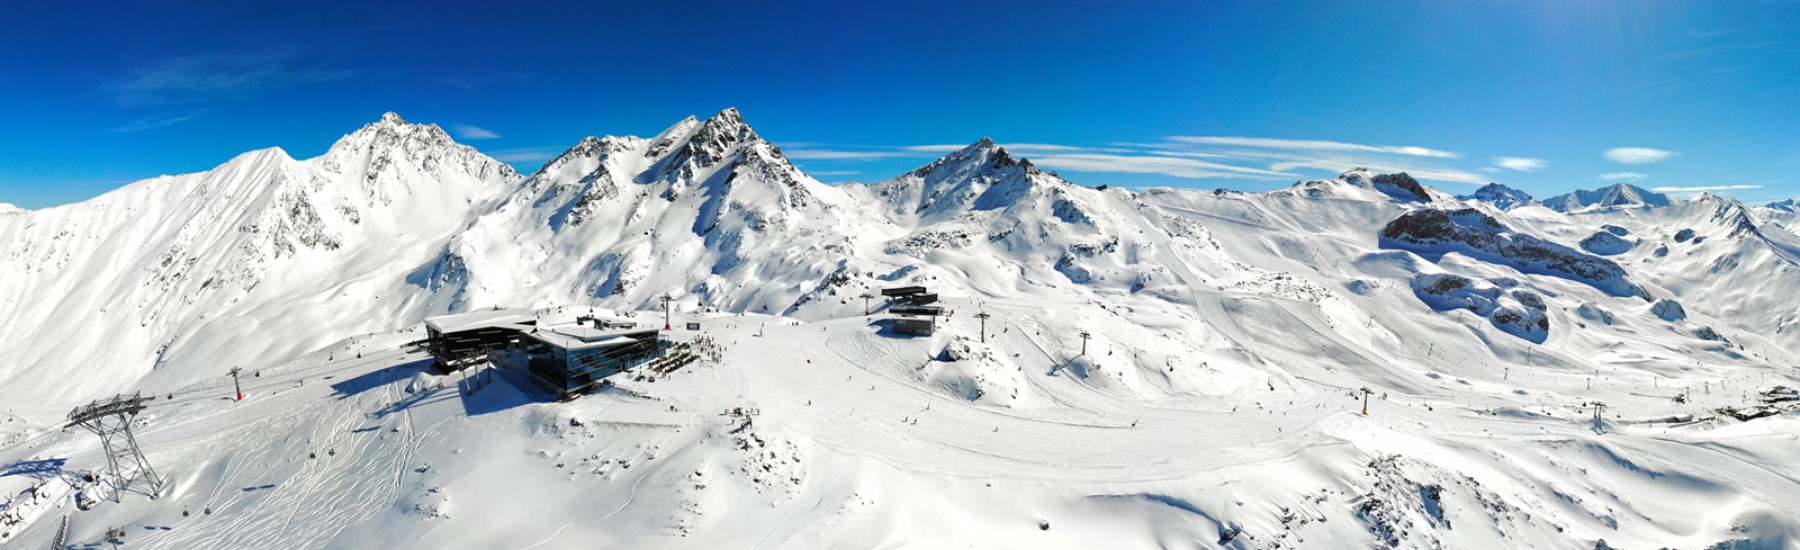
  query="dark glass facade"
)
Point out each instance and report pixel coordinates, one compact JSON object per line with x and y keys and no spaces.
{"x":569,"y":372}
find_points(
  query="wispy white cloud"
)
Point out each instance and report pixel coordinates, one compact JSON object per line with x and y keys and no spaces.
{"x":1623,"y":176}
{"x":1705,"y":188}
{"x":1313,"y":145}
{"x":217,"y":76}
{"x":1152,"y":164}
{"x":1333,"y":164}
{"x":1637,"y":155}
{"x":466,"y":131}
{"x":1197,"y":157}
{"x":1521,"y":164}
{"x":1018,"y":148}
{"x":835,"y":154}
{"x":473,"y":82}
{"x":155,"y":122}
{"x":526,"y":154}
{"x":936,"y":149}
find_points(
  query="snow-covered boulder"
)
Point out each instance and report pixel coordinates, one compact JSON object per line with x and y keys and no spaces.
{"x":1605,"y":244}
{"x":1684,"y":235}
{"x":974,"y":371}
{"x":1522,"y":321}
{"x":1668,"y":310}
{"x":1594,"y":313}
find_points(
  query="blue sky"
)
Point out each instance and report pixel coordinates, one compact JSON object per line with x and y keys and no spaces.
{"x":1544,"y":96}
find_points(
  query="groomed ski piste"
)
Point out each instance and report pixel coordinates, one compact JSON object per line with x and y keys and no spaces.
{"x":1233,"y":340}
{"x":855,"y":437}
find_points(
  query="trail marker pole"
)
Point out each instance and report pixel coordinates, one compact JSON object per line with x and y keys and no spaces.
{"x":234,"y":382}
{"x":665,"y":300}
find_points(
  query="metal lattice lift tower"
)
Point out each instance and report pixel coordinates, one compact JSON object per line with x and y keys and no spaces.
{"x":111,"y":420}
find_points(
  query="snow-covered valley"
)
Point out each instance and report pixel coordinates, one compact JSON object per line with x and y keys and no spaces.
{"x":1230,"y":338}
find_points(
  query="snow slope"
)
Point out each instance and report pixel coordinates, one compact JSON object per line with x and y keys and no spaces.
{"x":178,"y":278}
{"x":1228,"y":338}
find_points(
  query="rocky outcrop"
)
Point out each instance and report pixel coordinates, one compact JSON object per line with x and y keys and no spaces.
{"x":1668,"y":310}
{"x":1401,"y":185}
{"x":1434,"y":232}
{"x":1605,"y":244}
{"x":1517,"y":311}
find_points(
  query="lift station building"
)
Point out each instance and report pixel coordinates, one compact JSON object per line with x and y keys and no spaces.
{"x":567,"y":358}
{"x":462,"y":340}
{"x":570,"y":360}
{"x":910,"y":313}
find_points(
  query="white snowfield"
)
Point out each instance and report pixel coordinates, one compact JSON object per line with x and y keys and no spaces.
{"x":1231,"y":341}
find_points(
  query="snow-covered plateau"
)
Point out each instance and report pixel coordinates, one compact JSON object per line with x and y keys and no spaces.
{"x":1356,"y":362}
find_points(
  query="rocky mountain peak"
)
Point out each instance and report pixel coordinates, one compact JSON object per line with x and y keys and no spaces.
{"x":1618,"y":195}
{"x":982,"y":156}
{"x":692,"y":144}
{"x":376,"y":147}
{"x":1499,"y":195}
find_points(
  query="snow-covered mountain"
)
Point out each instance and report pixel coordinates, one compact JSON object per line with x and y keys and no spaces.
{"x":258,"y":260}
{"x":1618,"y":195}
{"x":1499,"y":195}
{"x":1162,"y":367}
{"x":706,"y":208}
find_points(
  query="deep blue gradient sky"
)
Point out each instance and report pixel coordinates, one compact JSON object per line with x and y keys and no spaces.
{"x":1251,"y":95}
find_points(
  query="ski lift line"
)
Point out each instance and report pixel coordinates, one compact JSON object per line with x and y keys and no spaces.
{"x":29,"y":440}
{"x":283,"y":378}
{"x":188,"y":396}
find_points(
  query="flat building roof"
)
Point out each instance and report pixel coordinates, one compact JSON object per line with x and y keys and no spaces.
{"x":484,"y":318}
{"x":578,"y":337}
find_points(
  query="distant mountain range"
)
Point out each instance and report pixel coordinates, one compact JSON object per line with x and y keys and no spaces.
{"x":266,"y":257}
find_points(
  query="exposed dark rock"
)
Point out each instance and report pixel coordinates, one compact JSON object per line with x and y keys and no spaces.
{"x":1403,"y":182}
{"x":1605,"y":244}
{"x":1470,"y":232}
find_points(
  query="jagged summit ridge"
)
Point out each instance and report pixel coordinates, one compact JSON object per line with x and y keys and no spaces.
{"x":1619,"y":195}
{"x":1499,"y":195}
{"x":984,"y":154}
